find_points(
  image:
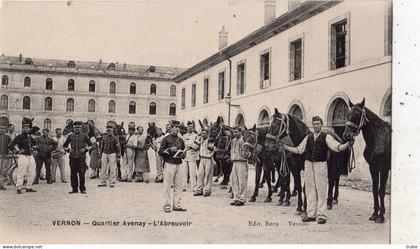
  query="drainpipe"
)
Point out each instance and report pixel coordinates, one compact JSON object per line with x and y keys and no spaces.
{"x":230,"y":89}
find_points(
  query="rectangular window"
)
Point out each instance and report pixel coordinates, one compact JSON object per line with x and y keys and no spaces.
{"x":206,"y":91}
{"x":193,"y":94}
{"x":183,"y":98}
{"x":221,"y":91}
{"x":265,"y":70}
{"x":339,"y":45}
{"x":240,"y":86}
{"x":296,"y":59}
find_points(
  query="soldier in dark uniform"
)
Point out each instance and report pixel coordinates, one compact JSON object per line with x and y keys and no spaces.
{"x":79,"y":145}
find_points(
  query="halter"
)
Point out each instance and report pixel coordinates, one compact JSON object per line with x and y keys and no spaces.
{"x":284,"y":127}
{"x":363,"y":121}
{"x":253,"y":146}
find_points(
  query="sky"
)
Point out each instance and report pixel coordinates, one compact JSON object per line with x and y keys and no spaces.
{"x":164,"y":33}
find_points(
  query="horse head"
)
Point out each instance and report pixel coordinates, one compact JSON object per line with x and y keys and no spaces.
{"x":223,"y":141}
{"x":183,"y":129}
{"x":68,"y":128}
{"x":278,"y":130}
{"x":152,"y":130}
{"x":215,"y":131}
{"x":250,"y":144}
{"x":355,"y":120}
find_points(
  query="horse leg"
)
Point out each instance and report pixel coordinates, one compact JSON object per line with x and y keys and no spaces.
{"x":374,"y":172}
{"x":273,"y":176}
{"x":226,"y":168}
{"x":278,"y":182}
{"x":336,"y":186}
{"x":268,"y":180}
{"x":305,"y":201}
{"x":286,"y":202}
{"x":298,"y":186}
{"x":382,"y":188}
{"x":261,"y":184}
{"x":258,"y":169}
{"x":281,"y":192}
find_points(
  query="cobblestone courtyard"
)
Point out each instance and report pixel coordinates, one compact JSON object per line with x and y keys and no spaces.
{"x":30,"y":218}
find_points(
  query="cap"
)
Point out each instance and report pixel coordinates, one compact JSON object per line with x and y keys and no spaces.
{"x":26,"y":122}
{"x":175,"y":123}
{"x":109,"y":126}
{"x":317,"y":118}
{"x":77,"y":123}
{"x":189,"y":123}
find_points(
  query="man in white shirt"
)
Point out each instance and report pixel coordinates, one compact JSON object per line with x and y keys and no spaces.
{"x":159,"y":160}
{"x":127,"y":165}
{"x":191,"y":156}
{"x":58,"y":157}
{"x":315,"y":147}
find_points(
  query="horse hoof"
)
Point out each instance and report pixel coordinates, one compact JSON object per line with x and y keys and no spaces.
{"x":252,"y":199}
{"x":261,"y":185}
{"x":279,"y":203}
{"x":298,"y":212}
{"x":329,"y":207}
{"x":373,"y":217}
{"x":268,"y":199}
{"x":286,"y":203}
{"x":380,"y":219}
{"x":335,"y":201}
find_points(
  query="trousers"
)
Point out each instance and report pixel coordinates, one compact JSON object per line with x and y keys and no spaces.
{"x":109,"y":163}
{"x":58,"y":162}
{"x":47,"y":162}
{"x":127,"y":165}
{"x":26,"y":169}
{"x":239,"y":180}
{"x":316,"y":184}
{"x":173,"y":176}
{"x":205,"y":175}
{"x":77,"y":173}
{"x":190,"y":167}
{"x":159,"y":167}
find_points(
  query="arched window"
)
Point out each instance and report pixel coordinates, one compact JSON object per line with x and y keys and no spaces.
{"x":296,"y":111}
{"x":49,"y":84}
{"x":26,"y":103}
{"x":70,"y":105}
{"x":173,"y":91}
{"x":91,"y":86}
{"x":153,"y":89}
{"x":152,"y":108}
{"x":111,"y":106}
{"x":172,"y":109}
{"x":133,"y":88}
{"x":27,"y":81}
{"x":240,"y":120}
{"x":5,"y":80}
{"x":70,"y":85}
{"x":48,"y":104}
{"x":112,"y":87}
{"x":47,"y":124}
{"x":264,"y":118}
{"x":91,"y":105}
{"x":4,"y":102}
{"x":132,"y":107}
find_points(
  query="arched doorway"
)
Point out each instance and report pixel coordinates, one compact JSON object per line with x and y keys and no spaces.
{"x":239,"y":121}
{"x":264,"y":118}
{"x":296,"y":111}
{"x":337,"y":121}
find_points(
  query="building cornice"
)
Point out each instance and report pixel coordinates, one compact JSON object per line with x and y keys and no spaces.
{"x":279,"y":25}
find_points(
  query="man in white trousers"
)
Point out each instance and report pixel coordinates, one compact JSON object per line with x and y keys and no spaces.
{"x":191,"y":156}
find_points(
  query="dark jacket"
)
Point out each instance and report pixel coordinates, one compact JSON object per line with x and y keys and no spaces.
{"x":78,"y":144}
{"x":4,"y":145}
{"x":110,"y":144}
{"x":168,"y":142}
{"x":46,"y":145}
{"x":25,"y":143}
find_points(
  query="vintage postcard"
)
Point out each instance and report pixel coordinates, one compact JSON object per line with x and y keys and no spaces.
{"x":197,"y":122}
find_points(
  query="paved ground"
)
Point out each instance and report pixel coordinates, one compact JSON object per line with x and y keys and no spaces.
{"x":29,"y":218}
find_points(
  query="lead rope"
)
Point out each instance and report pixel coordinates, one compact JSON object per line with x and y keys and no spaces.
{"x":284,"y":168}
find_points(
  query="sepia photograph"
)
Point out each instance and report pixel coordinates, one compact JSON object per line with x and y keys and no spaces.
{"x":196,"y":122}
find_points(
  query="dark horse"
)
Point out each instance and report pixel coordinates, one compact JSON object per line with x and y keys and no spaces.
{"x":290,"y":130}
{"x":377,"y":136}
{"x":88,"y":128}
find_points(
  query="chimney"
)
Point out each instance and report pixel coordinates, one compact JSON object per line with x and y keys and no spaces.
{"x":269,"y":11}
{"x":222,"y":38}
{"x":20,"y":57}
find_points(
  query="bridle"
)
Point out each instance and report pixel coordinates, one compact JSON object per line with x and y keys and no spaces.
{"x":248,"y":144}
{"x":363,"y":121}
{"x":284,"y":128}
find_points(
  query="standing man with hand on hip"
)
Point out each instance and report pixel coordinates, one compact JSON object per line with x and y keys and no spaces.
{"x":111,"y":152}
{"x":127,"y":166}
{"x":45,"y":148}
{"x":79,"y":145}
{"x":170,"y":149}
{"x":26,"y":162}
{"x":58,"y":157}
{"x":206,"y":167}
{"x":315,"y":148}
{"x":239,"y":169}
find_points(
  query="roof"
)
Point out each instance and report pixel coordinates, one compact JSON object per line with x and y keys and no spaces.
{"x":98,"y":68}
{"x":297,"y":15}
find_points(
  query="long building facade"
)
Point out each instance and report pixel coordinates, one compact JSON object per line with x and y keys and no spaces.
{"x":309,"y":61}
{"x":53,"y":91}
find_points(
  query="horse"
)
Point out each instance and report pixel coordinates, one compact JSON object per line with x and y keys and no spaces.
{"x":285,"y":128}
{"x":377,"y":153}
{"x":88,"y":128}
{"x":263,"y":159}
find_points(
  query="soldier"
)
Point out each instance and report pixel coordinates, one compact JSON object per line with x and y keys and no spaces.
{"x":4,"y":151}
{"x":191,"y":156}
{"x":206,"y":167}
{"x":45,"y":146}
{"x":170,"y":149}
{"x":239,"y":173}
{"x":26,"y":147}
{"x":315,"y":148}
{"x":79,"y":145}
{"x":159,"y":160}
{"x":111,"y":152}
{"x":127,"y":166}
